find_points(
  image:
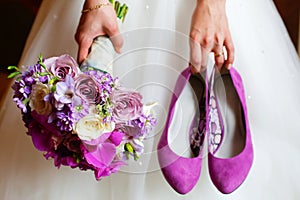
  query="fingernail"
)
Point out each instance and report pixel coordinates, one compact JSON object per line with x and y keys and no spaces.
{"x":229,"y":66}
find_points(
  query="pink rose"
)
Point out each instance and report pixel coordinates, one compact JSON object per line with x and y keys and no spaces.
{"x":87,"y":89}
{"x":63,"y":65}
{"x":127,"y":105}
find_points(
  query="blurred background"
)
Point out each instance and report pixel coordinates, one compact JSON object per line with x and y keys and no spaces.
{"x":17,"y":16}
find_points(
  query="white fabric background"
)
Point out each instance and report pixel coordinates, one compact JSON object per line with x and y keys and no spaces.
{"x":265,"y":58}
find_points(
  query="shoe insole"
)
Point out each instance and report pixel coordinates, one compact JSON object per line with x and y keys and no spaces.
{"x":233,"y":139}
{"x":186,"y":117}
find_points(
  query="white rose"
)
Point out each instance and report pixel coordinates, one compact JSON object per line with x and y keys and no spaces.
{"x":91,"y":127}
{"x":37,"y":102}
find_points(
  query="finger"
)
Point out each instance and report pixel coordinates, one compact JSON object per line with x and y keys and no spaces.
{"x":204,"y":55}
{"x":207,"y":42}
{"x":230,"y":52}
{"x":195,"y":56}
{"x":115,"y":36}
{"x":83,"y":49}
{"x":219,"y":55}
{"x":117,"y":41}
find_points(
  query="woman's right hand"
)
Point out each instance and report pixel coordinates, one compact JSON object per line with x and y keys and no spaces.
{"x":210,"y":33}
{"x":97,"y":22}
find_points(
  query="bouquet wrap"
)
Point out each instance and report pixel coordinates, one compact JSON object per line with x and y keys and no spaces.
{"x":103,"y":48}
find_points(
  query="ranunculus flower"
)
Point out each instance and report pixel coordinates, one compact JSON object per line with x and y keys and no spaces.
{"x":87,"y":89}
{"x":92,"y":126}
{"x":127,"y":105}
{"x":62,"y":66}
{"x":37,"y":100}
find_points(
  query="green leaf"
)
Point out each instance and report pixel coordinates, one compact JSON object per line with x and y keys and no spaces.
{"x":122,"y":10}
{"x":25,"y":101}
{"x":118,"y":10}
{"x":53,"y":80}
{"x":53,"y":89}
{"x":44,"y":74}
{"x":40,"y":57}
{"x":129,"y":148}
{"x":112,"y":2}
{"x":13,"y":67}
{"x":117,"y":5}
{"x":12,"y":75}
{"x":136,"y":157}
{"x":125,"y":13}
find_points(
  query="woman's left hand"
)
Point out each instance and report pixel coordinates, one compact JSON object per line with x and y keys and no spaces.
{"x":209,"y":33}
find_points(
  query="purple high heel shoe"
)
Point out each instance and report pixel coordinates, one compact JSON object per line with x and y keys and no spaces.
{"x":230,"y":155}
{"x":182,"y":173}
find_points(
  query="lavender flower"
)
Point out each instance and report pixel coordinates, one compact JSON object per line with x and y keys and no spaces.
{"x":21,"y":105}
{"x":104,"y":81}
{"x":87,"y":89}
{"x":65,"y":93}
{"x":62,"y":66}
{"x":127,"y":105}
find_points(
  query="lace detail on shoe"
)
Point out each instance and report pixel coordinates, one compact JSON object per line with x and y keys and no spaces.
{"x":214,"y":126}
{"x":198,"y":132}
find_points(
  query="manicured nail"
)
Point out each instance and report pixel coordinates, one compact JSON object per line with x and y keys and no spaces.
{"x":229,"y":66}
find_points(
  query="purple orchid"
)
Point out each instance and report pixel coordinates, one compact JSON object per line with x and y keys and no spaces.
{"x":101,"y":152}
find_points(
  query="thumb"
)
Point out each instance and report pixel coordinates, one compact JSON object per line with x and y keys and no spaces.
{"x":115,"y":37}
{"x":83,"y":50}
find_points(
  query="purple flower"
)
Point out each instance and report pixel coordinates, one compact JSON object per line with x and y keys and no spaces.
{"x":32,"y":69}
{"x":108,"y":170}
{"x":80,"y":111}
{"x":43,"y":79}
{"x":64,"y":121}
{"x":21,"y":94}
{"x":20,"y":105}
{"x":41,"y":138}
{"x":62,"y":66}
{"x":127,"y":105}
{"x":22,"y":90}
{"x":87,"y":89}
{"x":101,"y":152}
{"x":104,"y":81}
{"x":65,"y":93}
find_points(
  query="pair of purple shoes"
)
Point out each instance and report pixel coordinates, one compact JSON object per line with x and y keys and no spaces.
{"x":228,"y":171}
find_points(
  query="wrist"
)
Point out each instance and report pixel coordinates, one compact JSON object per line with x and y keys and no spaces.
{"x":92,"y":3}
{"x":212,"y":2}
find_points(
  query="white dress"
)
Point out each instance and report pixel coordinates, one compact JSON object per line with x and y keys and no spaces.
{"x":155,"y":51}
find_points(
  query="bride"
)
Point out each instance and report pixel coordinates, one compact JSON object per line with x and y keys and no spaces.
{"x":155,"y":50}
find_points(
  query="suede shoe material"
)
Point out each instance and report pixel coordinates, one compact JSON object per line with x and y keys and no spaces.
{"x":227,"y":174}
{"x":181,"y":173}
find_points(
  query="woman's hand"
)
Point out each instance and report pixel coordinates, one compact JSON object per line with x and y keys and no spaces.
{"x":209,"y":33}
{"x":102,"y":21}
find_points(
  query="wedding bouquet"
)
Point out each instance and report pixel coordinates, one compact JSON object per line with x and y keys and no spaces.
{"x":81,"y":119}
{"x":81,"y":116}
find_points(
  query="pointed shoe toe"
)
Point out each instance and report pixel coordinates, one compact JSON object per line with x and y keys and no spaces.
{"x":182,"y":173}
{"x":228,"y":174}
{"x":230,"y":154}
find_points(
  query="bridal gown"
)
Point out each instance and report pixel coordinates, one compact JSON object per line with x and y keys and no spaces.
{"x":155,"y":51}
